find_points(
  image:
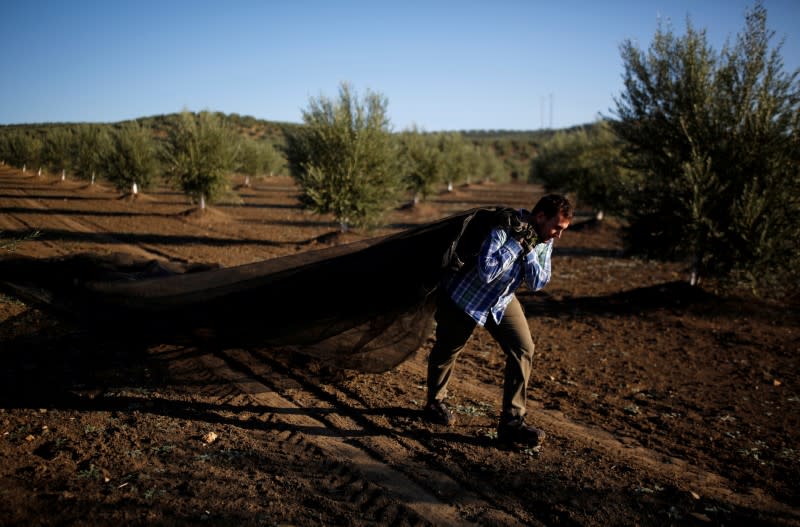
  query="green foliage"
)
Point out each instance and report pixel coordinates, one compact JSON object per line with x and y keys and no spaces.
{"x":488,"y":166}
{"x":420,"y":162}
{"x":716,"y":137}
{"x":456,"y":158}
{"x":585,"y":161}
{"x":343,"y":157}
{"x":90,"y":149}
{"x":132,"y":158}
{"x":258,"y":158}
{"x":58,"y":149}
{"x":514,"y":148}
{"x":201,"y":151}
{"x":427,"y":160}
{"x":19,"y":148}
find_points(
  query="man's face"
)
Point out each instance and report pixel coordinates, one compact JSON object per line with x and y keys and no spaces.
{"x":549,"y":228}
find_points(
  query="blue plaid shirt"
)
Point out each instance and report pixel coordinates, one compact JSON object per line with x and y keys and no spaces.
{"x":489,"y":286}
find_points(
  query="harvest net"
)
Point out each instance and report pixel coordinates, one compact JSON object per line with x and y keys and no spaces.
{"x":367,"y":305}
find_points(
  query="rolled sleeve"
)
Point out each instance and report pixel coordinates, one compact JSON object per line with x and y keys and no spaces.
{"x":537,"y":266}
{"x":498,"y":254}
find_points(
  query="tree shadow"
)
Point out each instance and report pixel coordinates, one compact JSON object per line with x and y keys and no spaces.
{"x":119,"y":238}
{"x":677,"y":296}
{"x":53,"y":197}
{"x":82,"y":212}
{"x":250,"y":205}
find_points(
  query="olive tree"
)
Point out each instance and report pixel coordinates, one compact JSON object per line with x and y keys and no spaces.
{"x":90,"y":149}
{"x":58,"y":151}
{"x":20,"y":149}
{"x":455,"y":159}
{"x":258,"y":158}
{"x":201,"y":151}
{"x":419,"y":162}
{"x":715,"y":137}
{"x":488,"y":167}
{"x":132,"y":161}
{"x":342,"y":157}
{"x":586,"y":162}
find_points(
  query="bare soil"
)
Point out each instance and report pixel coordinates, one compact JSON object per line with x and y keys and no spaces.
{"x":664,"y":404}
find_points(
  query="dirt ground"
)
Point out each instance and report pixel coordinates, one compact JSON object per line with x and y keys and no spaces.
{"x":664,"y":404}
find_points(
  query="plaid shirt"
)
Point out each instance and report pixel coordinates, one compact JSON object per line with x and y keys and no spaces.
{"x":489,"y":286}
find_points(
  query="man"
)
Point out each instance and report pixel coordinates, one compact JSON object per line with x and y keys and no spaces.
{"x":483,"y":294}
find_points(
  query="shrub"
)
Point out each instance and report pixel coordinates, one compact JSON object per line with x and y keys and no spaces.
{"x":90,"y":148}
{"x":20,"y":149}
{"x":488,"y":167}
{"x":58,"y":150}
{"x":132,"y":160}
{"x":342,"y":157}
{"x":201,"y":151}
{"x":258,"y":158}
{"x":455,"y":164}
{"x":586,"y":162}
{"x":715,"y":136}
{"x":420,"y":162}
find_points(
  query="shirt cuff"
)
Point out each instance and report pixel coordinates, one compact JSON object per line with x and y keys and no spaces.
{"x":514,"y":246}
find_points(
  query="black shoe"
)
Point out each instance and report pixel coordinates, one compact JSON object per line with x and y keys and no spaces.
{"x":519,"y":432}
{"x":436,"y":412}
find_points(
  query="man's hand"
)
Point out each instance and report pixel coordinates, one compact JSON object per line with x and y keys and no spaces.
{"x":522,"y":232}
{"x":527,"y":240}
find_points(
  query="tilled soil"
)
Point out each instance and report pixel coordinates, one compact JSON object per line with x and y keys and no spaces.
{"x":664,"y":404}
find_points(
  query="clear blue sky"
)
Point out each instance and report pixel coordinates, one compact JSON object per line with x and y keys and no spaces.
{"x":443,"y":65}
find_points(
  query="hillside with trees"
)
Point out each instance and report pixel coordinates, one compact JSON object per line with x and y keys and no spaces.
{"x":120,"y":154}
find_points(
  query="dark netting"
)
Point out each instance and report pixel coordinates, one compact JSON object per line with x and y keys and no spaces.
{"x":367,"y":305}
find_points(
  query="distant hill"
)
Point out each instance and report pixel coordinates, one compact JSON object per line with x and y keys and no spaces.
{"x":272,"y":131}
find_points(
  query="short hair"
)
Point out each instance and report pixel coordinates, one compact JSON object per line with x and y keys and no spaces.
{"x":552,"y":204}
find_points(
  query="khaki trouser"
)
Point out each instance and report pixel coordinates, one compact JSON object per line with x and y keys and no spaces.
{"x":454,"y":328}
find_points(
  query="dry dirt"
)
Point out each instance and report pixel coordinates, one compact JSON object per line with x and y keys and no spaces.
{"x":663,"y":404}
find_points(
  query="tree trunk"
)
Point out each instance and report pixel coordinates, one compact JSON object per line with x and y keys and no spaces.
{"x":63,"y":175}
{"x":202,"y":202}
{"x":134,"y":189}
{"x":24,"y":167}
{"x":92,"y":178}
{"x":694,"y":277}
